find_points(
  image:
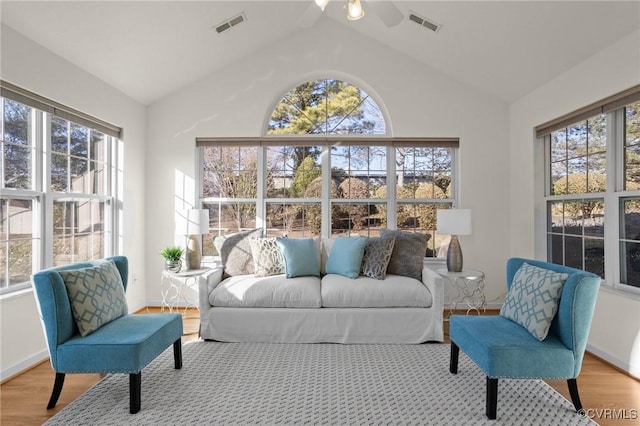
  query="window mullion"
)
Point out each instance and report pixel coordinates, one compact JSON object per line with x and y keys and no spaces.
{"x":110,"y":217}
{"x":325,"y":203}
{"x":615,"y":183}
{"x":455,"y":187}
{"x":261,"y":207}
{"x":392,"y":182}
{"x":38,"y":163}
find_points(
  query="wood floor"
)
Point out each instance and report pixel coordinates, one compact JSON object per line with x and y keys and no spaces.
{"x":611,"y":397}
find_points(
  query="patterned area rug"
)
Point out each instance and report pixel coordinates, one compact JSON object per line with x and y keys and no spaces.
{"x":328,"y":384}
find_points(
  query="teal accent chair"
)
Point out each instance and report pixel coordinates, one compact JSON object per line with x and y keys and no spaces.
{"x":124,"y":345}
{"x":504,"y":349}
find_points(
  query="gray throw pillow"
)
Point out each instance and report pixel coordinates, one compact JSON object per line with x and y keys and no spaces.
{"x":377,"y":254}
{"x":235,"y":252}
{"x":408,"y":254}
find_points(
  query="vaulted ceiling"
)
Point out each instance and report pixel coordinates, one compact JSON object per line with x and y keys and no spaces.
{"x":149,"y":49}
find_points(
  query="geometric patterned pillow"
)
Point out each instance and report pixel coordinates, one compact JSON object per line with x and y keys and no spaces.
{"x":532,"y":300}
{"x":377,"y":254}
{"x":267,"y":257}
{"x":96,"y":295}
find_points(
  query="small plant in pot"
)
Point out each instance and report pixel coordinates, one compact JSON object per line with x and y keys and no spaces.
{"x":172,"y":256}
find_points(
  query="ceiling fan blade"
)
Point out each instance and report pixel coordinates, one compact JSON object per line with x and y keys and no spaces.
{"x":310,"y":15}
{"x":386,"y":11}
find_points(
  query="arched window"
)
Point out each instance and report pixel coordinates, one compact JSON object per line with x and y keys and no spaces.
{"x":327,"y":166}
{"x":327,"y":107}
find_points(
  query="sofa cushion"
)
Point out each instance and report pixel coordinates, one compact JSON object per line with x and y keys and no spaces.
{"x":267,"y":257}
{"x":377,"y":254}
{"x":96,"y":295}
{"x":346,"y":257}
{"x":300,"y":257}
{"x":275,"y":291}
{"x":235,"y":251}
{"x":532,"y":300}
{"x":364,"y":292}
{"x":408,"y":254}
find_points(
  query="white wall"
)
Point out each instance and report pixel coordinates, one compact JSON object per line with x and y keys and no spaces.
{"x":420,"y":102}
{"x":29,"y":65}
{"x":611,"y":70}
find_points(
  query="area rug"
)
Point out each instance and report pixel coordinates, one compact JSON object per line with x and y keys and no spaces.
{"x":323,"y":384}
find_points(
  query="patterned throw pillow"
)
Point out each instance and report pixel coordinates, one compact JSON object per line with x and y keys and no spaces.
{"x":377,"y":254}
{"x":96,"y":295}
{"x":532,"y":300}
{"x":408,"y":254}
{"x":267,"y":257}
{"x":235,"y":252}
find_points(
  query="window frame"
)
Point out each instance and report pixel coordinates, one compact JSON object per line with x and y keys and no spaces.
{"x":326,"y":142}
{"x":613,"y":196}
{"x":41,"y":194}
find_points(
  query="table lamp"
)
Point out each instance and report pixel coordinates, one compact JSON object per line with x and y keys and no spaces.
{"x":454,"y":222}
{"x":192,"y":223}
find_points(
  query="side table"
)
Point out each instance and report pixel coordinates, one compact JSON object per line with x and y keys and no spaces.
{"x":178,"y":288}
{"x":465,"y":287}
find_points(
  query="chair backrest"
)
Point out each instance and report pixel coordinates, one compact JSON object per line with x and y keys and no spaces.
{"x":575,"y":310}
{"x":54,"y":305}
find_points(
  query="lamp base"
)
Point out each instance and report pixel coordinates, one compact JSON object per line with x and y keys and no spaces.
{"x":194,"y":258}
{"x":454,"y":255}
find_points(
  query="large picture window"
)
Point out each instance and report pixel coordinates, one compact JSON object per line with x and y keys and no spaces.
{"x":593,"y":184}
{"x":56,"y":186}
{"x":326,"y":167}
{"x":348,"y":194}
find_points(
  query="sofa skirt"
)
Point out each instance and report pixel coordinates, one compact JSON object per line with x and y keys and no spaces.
{"x":322,"y":325}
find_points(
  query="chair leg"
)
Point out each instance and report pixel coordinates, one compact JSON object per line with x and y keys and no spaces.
{"x":177,"y":354}
{"x":57,"y":388}
{"x":492,"y":398}
{"x":135,"y":385}
{"x":453,"y":360}
{"x":575,"y":396}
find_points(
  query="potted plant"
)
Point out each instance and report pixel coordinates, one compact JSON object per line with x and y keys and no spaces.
{"x":172,"y":256}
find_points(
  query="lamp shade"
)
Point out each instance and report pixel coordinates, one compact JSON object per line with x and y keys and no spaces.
{"x":454,"y":221}
{"x":192,"y":222}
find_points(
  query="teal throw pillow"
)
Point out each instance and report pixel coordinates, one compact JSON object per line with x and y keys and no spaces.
{"x":96,"y":295}
{"x":346,"y":257}
{"x":532,"y":300}
{"x":300,"y":257}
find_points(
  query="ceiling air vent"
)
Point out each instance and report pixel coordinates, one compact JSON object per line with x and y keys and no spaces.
{"x":422,"y":21}
{"x":230,"y":23}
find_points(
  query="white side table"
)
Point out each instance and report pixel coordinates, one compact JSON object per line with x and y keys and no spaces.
{"x":465,"y":287}
{"x":178,"y":288}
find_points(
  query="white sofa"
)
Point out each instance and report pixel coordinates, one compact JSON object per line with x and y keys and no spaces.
{"x":331,"y":308}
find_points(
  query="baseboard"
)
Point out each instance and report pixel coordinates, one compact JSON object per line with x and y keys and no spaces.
{"x":617,"y":363}
{"x":22,"y":366}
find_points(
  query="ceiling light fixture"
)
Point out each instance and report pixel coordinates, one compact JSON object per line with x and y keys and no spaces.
{"x":354,"y":10}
